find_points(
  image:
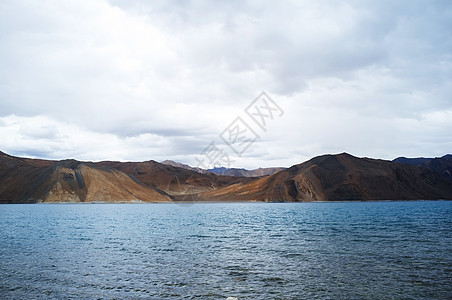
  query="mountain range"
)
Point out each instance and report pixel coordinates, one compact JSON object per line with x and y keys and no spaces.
{"x":441,"y":165}
{"x":340,"y":177}
{"x":226,"y":171}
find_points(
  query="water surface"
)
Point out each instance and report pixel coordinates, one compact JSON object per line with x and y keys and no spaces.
{"x":373,"y":250}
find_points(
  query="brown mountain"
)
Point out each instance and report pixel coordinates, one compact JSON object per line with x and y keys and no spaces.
{"x":245,"y":173}
{"x":183,"y":166}
{"x":24,"y":180}
{"x":226,"y":171}
{"x":441,"y":165}
{"x":30,"y":181}
{"x":341,"y":177}
{"x":173,"y":180}
{"x":328,"y":177}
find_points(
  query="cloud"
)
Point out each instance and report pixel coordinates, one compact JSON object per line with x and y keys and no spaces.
{"x":138,"y":80}
{"x":41,"y":136}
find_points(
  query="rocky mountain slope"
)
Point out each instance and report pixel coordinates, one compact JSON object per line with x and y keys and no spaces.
{"x":441,"y":165}
{"x":226,"y":171}
{"x":323,"y":178}
{"x":30,"y":181}
{"x":244,"y":172}
{"x":184,"y":166}
{"x":173,"y":180}
{"x":24,"y":180}
{"x":341,"y":177}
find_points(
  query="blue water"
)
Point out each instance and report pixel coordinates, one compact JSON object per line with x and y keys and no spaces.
{"x":374,"y":250}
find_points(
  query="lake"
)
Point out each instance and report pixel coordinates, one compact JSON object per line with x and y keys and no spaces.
{"x":346,"y":250}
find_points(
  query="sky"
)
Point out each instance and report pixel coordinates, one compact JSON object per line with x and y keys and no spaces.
{"x":134,"y":80}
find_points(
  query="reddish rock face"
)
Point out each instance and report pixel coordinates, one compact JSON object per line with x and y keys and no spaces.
{"x":24,"y":180}
{"x":323,"y":178}
{"x":340,"y":178}
{"x":30,"y":181}
{"x":441,"y":165}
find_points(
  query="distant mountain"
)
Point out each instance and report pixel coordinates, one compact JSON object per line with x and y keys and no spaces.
{"x":245,"y":173}
{"x":323,"y":178}
{"x":226,"y":171}
{"x":24,"y":180}
{"x":412,"y":161}
{"x":173,"y":180}
{"x":184,"y":166}
{"x":341,"y":177}
{"x":441,"y":165}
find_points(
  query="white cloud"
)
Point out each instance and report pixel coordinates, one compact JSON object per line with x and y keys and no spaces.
{"x":138,"y":80}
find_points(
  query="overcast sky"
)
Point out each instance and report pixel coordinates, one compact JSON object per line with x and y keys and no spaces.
{"x":140,"y":80}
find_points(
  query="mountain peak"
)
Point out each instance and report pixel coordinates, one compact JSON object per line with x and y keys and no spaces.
{"x":330,"y":177}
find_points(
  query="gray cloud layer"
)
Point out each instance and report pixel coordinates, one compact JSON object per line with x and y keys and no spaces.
{"x":138,"y":80}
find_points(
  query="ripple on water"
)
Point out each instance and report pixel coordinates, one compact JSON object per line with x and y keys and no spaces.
{"x":216,"y":251}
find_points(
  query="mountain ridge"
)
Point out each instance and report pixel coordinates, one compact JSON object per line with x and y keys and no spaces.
{"x":341,"y":177}
{"x":441,"y":165}
{"x":31,"y":181}
{"x":227,"y":171}
{"x":331,"y":177}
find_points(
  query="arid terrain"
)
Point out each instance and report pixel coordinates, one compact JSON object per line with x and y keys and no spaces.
{"x":340,"y":177}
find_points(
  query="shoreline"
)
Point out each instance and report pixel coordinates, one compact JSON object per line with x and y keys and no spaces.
{"x":188,"y":203}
